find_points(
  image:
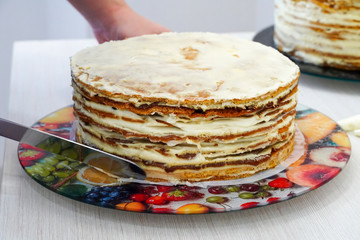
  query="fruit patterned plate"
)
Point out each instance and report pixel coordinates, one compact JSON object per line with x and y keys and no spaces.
{"x":266,"y":37}
{"x":322,"y":150}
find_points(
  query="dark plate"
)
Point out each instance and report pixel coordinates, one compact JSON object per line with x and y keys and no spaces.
{"x":265,"y":37}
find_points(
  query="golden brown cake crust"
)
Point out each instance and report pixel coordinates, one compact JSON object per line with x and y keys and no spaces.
{"x":194,"y":70}
{"x":182,"y":107}
{"x":155,"y":107}
{"x":216,"y":172}
{"x":196,"y":107}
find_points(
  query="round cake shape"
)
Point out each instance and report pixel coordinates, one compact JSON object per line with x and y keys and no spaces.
{"x":202,"y":106}
{"x":196,"y":70}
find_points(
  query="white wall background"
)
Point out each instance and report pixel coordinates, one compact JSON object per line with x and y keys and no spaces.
{"x":49,"y":19}
{"x":207,"y":15}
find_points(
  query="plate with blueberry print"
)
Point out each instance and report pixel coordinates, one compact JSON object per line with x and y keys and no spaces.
{"x":322,"y":150}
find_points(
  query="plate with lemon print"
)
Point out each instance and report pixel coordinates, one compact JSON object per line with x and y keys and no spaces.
{"x":322,"y":151}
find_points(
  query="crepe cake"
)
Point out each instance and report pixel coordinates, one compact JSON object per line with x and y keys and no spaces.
{"x":187,"y":107}
{"x":321,"y":32}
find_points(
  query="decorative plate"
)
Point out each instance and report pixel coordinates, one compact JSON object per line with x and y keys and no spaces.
{"x":266,"y":37}
{"x":321,"y":151}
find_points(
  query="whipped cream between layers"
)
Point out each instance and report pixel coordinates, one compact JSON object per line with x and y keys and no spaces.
{"x":197,"y":70}
{"x":187,"y":149}
{"x":176,"y":140}
{"x":318,"y":32}
{"x":187,"y":106}
{"x":162,"y":125}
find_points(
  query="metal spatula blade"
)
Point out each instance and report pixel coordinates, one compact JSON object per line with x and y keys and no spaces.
{"x":34,"y":137}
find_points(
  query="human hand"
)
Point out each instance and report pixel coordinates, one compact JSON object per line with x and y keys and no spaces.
{"x":126,"y":23}
{"x":115,"y":20}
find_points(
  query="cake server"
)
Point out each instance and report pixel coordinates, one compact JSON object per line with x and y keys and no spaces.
{"x":34,"y":137}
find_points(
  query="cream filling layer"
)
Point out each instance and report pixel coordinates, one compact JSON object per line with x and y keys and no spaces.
{"x":149,"y":152}
{"x":207,"y":149}
{"x":184,"y":67}
{"x":166,"y":125}
{"x":138,"y":102}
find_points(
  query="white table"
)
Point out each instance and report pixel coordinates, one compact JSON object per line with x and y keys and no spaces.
{"x":40,"y":84}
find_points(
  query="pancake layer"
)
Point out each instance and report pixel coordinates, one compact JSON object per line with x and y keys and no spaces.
{"x":182,"y":135}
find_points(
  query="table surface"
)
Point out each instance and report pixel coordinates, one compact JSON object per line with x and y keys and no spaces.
{"x":40,"y":84}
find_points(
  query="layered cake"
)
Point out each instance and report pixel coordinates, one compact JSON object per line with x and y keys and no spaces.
{"x":321,"y":32}
{"x":187,"y":106}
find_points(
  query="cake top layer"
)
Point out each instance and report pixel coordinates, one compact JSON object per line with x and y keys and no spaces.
{"x":183,"y":67}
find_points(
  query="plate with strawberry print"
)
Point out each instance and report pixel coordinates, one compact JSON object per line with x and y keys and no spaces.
{"x":322,"y":150}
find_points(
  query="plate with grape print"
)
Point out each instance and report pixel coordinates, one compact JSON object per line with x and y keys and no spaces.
{"x":322,"y":150}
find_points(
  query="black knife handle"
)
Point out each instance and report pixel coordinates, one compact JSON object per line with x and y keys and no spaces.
{"x":12,"y":130}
